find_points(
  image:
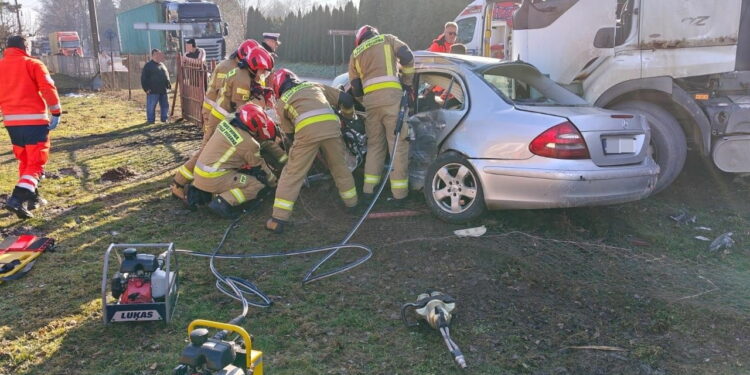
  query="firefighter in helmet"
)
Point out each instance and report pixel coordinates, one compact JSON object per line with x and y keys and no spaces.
{"x":306,"y":110}
{"x":230,"y":164}
{"x":374,"y":75}
{"x":234,"y":82}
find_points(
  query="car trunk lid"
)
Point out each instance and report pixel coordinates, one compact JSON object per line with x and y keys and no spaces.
{"x":613,"y":138}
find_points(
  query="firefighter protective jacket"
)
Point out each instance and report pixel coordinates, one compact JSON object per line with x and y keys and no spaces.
{"x":373,"y":70}
{"x":230,"y":148}
{"x":28,"y":90}
{"x":306,"y":110}
{"x":218,"y":77}
{"x":237,"y":90}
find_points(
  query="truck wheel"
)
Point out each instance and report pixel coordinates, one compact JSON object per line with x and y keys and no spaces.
{"x":668,"y":144}
{"x":452,"y":189}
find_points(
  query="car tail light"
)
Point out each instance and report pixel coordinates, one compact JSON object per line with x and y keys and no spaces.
{"x":562,"y":141}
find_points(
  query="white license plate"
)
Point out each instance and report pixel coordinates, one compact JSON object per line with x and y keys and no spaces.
{"x":619,"y":145}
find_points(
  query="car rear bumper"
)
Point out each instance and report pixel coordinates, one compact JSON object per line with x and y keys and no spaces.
{"x":524,"y":184}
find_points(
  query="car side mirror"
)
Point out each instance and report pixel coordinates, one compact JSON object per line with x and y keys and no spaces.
{"x":605,"y":38}
{"x":226,"y":29}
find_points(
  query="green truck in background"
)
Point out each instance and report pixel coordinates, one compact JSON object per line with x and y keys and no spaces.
{"x":204,"y":18}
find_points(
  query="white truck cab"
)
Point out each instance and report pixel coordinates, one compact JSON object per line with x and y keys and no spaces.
{"x":684,"y":64}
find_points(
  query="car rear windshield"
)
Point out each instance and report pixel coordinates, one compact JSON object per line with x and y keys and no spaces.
{"x":522,"y":84}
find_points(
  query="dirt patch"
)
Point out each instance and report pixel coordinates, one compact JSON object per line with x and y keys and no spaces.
{"x":17,"y":231}
{"x":72,"y":171}
{"x":117,"y":174}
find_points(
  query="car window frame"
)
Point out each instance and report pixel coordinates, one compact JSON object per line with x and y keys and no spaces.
{"x":482,"y":70}
{"x":456,"y":77}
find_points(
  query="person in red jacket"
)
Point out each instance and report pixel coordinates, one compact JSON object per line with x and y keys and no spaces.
{"x":445,"y":40}
{"x":27,"y":99}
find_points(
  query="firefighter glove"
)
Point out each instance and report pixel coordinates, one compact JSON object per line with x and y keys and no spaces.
{"x":54,"y":122}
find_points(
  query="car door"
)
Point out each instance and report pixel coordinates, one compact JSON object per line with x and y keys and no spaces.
{"x":441,"y":104}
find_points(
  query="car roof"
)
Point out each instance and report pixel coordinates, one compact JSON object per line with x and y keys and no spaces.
{"x":470,"y":62}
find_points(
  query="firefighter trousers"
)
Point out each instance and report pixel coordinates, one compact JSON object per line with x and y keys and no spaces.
{"x":31,"y":149}
{"x":184,"y":174}
{"x":235,"y":187}
{"x":301,"y":158}
{"x":380,"y":125}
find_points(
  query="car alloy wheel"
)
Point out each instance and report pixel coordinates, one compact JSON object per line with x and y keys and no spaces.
{"x":454,"y":188}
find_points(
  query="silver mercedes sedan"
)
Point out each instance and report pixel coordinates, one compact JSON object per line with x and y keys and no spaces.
{"x":487,"y":134}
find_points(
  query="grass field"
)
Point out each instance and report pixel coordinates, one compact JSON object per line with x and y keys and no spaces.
{"x":533,"y":293}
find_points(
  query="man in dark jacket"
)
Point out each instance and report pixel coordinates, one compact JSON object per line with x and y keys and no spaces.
{"x":155,"y":82}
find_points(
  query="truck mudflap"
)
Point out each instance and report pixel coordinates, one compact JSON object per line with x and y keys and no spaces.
{"x":731,"y":155}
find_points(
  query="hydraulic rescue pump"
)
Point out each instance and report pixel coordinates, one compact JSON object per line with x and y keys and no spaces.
{"x":143,"y":288}
{"x":206,"y":355}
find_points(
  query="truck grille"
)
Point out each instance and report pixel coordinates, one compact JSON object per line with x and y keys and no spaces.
{"x":212,"y":48}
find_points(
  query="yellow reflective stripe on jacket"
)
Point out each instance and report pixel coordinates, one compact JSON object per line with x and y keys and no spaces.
{"x":186,"y":173}
{"x":238,"y":195}
{"x":288,"y":94}
{"x":283,"y":158}
{"x":207,"y":106}
{"x":399,"y":184}
{"x":358,"y":67}
{"x":407,"y":69}
{"x":372,"y":179}
{"x":283,"y":204}
{"x":388,"y":59}
{"x":217,"y":114}
{"x":314,"y":119}
{"x":349,"y":194}
{"x":374,"y":41}
{"x":382,"y":85}
{"x":200,"y":172}
{"x":221,"y":75}
{"x":227,"y":154}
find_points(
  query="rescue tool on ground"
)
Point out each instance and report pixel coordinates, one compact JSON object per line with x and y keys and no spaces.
{"x":436,"y":308}
{"x":145,"y":286}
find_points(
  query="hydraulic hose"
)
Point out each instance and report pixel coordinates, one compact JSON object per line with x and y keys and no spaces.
{"x":242,"y":290}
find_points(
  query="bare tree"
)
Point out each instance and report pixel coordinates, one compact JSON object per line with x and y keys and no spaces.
{"x":233,"y":14}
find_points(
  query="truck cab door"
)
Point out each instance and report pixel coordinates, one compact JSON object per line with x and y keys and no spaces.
{"x":688,"y":37}
{"x":563,"y":38}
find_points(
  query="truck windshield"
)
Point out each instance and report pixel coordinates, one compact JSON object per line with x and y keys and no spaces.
{"x":466,"y":28}
{"x":70,"y":44}
{"x":204,"y":30}
{"x":522,"y":84}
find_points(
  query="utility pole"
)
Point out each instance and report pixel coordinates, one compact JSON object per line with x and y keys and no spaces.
{"x":18,"y":18}
{"x":94,"y":30}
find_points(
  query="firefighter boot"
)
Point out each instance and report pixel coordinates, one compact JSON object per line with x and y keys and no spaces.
{"x":222,"y":208}
{"x":367,"y":198}
{"x":275,"y":225}
{"x":196,"y":197}
{"x":36,"y":201}
{"x":16,"y":202}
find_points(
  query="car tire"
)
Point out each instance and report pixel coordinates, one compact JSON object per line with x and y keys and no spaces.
{"x":452,"y":189}
{"x":667,"y":140}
